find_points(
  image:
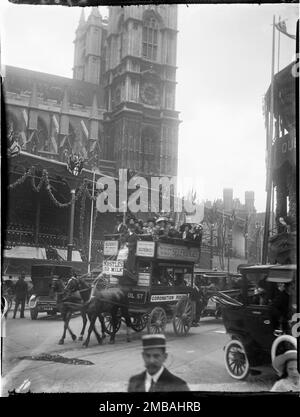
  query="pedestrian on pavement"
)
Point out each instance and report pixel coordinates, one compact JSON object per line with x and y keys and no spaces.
{"x":280,"y":308}
{"x":21,"y":295}
{"x":286,"y":366}
{"x":156,"y":378}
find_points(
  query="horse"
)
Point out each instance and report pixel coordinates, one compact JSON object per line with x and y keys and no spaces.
{"x":74,"y":297}
{"x":105,"y":299}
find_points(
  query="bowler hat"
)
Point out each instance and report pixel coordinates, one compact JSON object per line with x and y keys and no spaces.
{"x":152,"y":341}
{"x":280,"y":360}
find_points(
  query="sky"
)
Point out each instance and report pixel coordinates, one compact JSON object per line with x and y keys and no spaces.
{"x":224,"y":70}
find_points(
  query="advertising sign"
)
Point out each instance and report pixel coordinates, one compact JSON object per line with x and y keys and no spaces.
{"x":179,"y":253}
{"x":110,"y":247}
{"x":144,"y":279}
{"x":145,"y":249}
{"x":113,"y":267}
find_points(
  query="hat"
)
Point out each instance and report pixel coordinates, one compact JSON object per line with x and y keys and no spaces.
{"x":161,"y":219}
{"x":182,"y":227}
{"x":280,"y":360}
{"x":151,"y":219}
{"x":152,"y":341}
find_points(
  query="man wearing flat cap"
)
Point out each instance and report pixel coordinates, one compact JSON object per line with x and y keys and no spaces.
{"x":156,"y":378}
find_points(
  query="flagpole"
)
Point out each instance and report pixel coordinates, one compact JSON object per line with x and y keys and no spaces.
{"x":269,"y":157}
{"x":278,"y":56}
{"x":91,"y":224}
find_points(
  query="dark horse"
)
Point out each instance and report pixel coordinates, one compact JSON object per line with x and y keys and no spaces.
{"x":74,"y":297}
{"x":107,"y":300}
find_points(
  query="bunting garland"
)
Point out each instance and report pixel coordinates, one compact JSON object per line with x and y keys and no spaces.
{"x":45,"y":180}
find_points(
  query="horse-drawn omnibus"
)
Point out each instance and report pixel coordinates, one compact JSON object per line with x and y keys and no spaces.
{"x":163,"y":271}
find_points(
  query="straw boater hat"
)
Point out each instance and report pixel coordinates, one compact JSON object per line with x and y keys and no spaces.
{"x":161,"y":219}
{"x":280,"y":360}
{"x":152,"y":341}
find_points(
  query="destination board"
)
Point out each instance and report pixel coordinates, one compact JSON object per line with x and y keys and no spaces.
{"x":178,"y":253}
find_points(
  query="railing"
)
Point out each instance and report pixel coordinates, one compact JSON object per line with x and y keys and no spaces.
{"x":17,"y":237}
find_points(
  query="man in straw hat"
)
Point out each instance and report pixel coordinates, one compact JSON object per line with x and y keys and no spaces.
{"x":156,"y":378}
{"x":286,"y":367}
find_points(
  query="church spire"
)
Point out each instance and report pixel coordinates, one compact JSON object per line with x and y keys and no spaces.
{"x":82,"y":18}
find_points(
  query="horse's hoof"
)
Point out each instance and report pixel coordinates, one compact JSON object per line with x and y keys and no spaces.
{"x":74,"y":338}
{"x":80,"y":338}
{"x":61,"y":342}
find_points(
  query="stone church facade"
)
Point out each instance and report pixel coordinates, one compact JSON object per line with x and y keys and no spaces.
{"x":118,"y":111}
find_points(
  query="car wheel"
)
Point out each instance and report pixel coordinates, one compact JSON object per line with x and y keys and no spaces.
{"x":236,"y":361}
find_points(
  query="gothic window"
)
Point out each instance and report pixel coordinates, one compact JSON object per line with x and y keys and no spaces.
{"x":150,"y":38}
{"x":148,"y":150}
{"x":121,"y":31}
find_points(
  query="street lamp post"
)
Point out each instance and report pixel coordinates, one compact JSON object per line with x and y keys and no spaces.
{"x":91,"y":224}
{"x":71,"y":229}
{"x":211,"y":246}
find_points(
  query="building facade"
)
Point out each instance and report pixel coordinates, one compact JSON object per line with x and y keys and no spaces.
{"x":119,"y":109}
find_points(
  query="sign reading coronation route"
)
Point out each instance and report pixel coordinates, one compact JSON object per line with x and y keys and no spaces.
{"x":166,"y":297}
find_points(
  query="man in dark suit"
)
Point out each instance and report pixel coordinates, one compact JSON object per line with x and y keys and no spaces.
{"x":156,"y":378}
{"x":120,"y":227}
{"x":21,"y":293}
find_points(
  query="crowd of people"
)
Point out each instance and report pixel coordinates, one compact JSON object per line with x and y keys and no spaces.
{"x":159,"y":227}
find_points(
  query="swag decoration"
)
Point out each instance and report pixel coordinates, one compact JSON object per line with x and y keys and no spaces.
{"x":44,"y":180}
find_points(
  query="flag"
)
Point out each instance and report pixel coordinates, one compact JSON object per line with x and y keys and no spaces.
{"x":25,"y":117}
{"x":55,"y":123}
{"x":281,"y":26}
{"x":31,"y":136}
{"x":84,"y":128}
{"x":63,"y":141}
{"x":54,"y":144}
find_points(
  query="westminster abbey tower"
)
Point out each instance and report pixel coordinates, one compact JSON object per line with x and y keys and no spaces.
{"x":132,"y":57}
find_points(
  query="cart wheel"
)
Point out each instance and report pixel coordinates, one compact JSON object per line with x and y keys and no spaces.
{"x":236,"y":360}
{"x":139,"y":322}
{"x":183,"y":317}
{"x":157,"y":321}
{"x":108,"y":323}
{"x":33,"y":313}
